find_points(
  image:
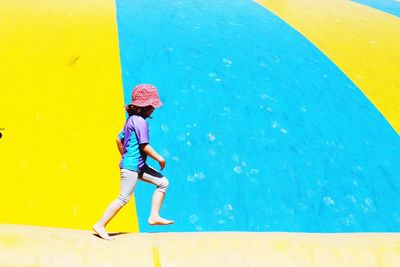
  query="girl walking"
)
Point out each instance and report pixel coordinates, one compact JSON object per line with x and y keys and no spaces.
{"x":133,"y":144}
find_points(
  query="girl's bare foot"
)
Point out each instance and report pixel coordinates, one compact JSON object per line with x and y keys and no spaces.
{"x":101,"y":231}
{"x":159,"y":221}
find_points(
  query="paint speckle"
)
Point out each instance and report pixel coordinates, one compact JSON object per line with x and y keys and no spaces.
{"x":274,"y":124}
{"x":228,"y":207}
{"x":211,"y":137}
{"x":193,"y":218}
{"x":227,"y":62}
{"x":265,"y":96}
{"x":226,"y":111}
{"x":351,"y":198}
{"x":190,"y":178}
{"x":253,"y":172}
{"x":329,"y":201}
{"x":165,"y":153}
{"x":176,"y":158}
{"x":164,"y":128}
{"x":217,"y":212}
{"x":235,"y":157}
{"x":195,"y":176}
{"x":212,"y":152}
{"x":237,"y":169}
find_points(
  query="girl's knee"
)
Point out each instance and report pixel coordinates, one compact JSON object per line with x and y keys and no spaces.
{"x":123,"y":200}
{"x":163,"y":185}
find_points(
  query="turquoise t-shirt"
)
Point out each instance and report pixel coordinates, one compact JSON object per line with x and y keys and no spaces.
{"x":134,"y":133}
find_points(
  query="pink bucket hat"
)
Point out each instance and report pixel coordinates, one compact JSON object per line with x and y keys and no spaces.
{"x":145,"y":95}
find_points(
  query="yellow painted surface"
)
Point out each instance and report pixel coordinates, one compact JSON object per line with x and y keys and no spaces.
{"x":42,"y":246}
{"x":61,"y":107}
{"x":363,"y":42}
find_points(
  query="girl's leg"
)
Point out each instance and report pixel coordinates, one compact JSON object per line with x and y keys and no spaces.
{"x":109,"y":213}
{"x":128,"y":183}
{"x":152,"y":176}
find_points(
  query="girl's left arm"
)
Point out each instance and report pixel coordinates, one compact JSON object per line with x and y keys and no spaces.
{"x":120,"y":145}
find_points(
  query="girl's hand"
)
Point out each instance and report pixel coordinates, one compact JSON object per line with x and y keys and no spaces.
{"x":162,"y":163}
{"x":153,"y":154}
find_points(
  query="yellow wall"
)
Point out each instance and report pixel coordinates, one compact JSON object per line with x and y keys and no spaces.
{"x":363,"y":42}
{"x":61,"y":107}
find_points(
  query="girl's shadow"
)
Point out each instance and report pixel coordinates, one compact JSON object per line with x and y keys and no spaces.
{"x":112,"y":234}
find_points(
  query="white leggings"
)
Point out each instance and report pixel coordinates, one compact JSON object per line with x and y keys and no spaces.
{"x":129,"y":179}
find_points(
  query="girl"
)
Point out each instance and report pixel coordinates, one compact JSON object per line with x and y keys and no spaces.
{"x":133,"y":144}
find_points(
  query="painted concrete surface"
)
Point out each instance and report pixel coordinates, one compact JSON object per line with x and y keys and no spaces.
{"x":277,"y":117}
{"x":389,"y":6}
{"x":261,"y":129}
{"x":61,"y":104}
{"x":25,"y":246}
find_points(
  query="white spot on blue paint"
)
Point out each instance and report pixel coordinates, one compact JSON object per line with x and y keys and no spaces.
{"x":165,"y":153}
{"x":228,"y":207}
{"x":226,"y":111}
{"x":358,"y":168}
{"x":217,"y":211}
{"x":237,"y":169}
{"x":196,"y":176}
{"x":211,"y":137}
{"x":235,"y":157}
{"x":227,"y":62}
{"x":254,"y":172}
{"x":212,"y":152}
{"x":164,"y":128}
{"x":284,"y":131}
{"x":351,"y":198}
{"x":176,"y":158}
{"x":193,"y":218}
{"x":199,"y":175}
{"x":329,"y":201}
{"x":349,"y":220}
{"x":265,"y":96}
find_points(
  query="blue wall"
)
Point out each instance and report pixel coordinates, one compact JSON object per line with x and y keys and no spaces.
{"x":388,"y":6}
{"x":261,"y":131}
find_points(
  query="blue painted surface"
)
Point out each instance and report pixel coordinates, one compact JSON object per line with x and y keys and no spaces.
{"x":260,"y":130}
{"x":389,"y":6}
